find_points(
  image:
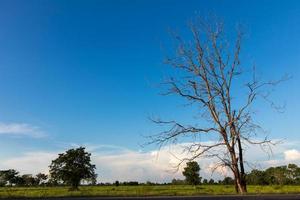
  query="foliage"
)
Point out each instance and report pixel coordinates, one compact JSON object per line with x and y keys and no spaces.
{"x":72,"y":167}
{"x":12,"y":177}
{"x":191,"y":173}
{"x":117,"y":183}
{"x":228,"y":181}
{"x":130,"y":183}
{"x":29,"y":180}
{"x":178,"y":182}
{"x":211,"y":181}
{"x":41,"y":178}
{"x":280,"y":175}
{"x":8,"y":177}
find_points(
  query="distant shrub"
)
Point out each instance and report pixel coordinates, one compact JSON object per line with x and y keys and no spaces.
{"x":117,"y":183}
{"x":131,"y":183}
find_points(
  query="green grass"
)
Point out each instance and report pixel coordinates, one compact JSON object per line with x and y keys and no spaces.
{"x":163,"y":190}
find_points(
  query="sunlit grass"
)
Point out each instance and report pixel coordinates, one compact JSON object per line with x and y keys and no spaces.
{"x":162,"y":190}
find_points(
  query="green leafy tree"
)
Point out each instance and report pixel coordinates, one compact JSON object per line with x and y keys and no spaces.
{"x":191,"y":173}
{"x":8,"y":177}
{"x":117,"y":183}
{"x":29,"y":180}
{"x":293,"y":174}
{"x":228,"y":181}
{"x":211,"y":181}
{"x":257,"y":177}
{"x":20,"y":181}
{"x":41,"y":178}
{"x":280,"y":175}
{"x":177,"y":182}
{"x":72,"y":167}
{"x":277,"y":175}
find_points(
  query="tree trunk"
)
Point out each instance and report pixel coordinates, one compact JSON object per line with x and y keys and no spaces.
{"x":240,"y":183}
{"x":74,"y":186}
{"x":241,"y":162}
{"x":236,"y":186}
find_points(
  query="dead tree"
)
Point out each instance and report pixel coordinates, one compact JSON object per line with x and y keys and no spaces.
{"x":207,"y":67}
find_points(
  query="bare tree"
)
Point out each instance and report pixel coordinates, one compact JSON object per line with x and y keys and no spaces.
{"x":207,"y":68}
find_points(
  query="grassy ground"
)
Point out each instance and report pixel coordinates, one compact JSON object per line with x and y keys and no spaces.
{"x":165,"y":190}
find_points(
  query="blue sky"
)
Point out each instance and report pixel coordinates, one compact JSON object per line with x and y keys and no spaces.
{"x":85,"y":72}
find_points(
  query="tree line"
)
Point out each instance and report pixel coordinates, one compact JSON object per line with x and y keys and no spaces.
{"x":279,"y":175}
{"x":12,"y":177}
{"x":74,"y":167}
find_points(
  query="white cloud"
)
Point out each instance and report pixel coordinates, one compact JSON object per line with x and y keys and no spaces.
{"x":20,"y":130}
{"x":292,"y":155}
{"x":118,"y":164}
{"x":30,"y":162}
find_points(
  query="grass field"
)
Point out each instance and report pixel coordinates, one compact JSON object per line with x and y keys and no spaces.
{"x":164,"y":190}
